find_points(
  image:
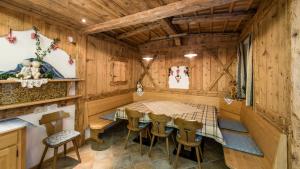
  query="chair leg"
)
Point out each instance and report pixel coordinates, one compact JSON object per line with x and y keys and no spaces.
{"x":149,"y":134}
{"x":174,"y":142}
{"x":65,"y":149}
{"x":55,"y":158}
{"x":141,"y":142}
{"x":168,"y":151}
{"x":152,"y":141}
{"x":177,"y":154}
{"x":201,"y":153}
{"x":127,"y":139}
{"x":43,"y":156}
{"x":198,"y":157}
{"x":76,"y":149}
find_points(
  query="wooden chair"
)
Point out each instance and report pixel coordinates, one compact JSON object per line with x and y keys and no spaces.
{"x":57,"y":136}
{"x":159,"y":129}
{"x":134,"y":125}
{"x":187,"y":136}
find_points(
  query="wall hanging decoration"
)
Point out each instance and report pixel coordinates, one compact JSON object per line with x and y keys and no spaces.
{"x":34,"y":57}
{"x":70,"y":61}
{"x":179,"y":77}
{"x":40,"y":54}
{"x":11,"y":39}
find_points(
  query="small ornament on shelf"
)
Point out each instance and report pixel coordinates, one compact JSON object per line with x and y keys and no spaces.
{"x":139,"y":89}
{"x":11,"y":39}
{"x":231,"y":95}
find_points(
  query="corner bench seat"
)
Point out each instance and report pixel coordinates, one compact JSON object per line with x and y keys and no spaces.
{"x":97,"y":126}
{"x":270,"y":140}
{"x":239,"y":160}
{"x":96,"y":108}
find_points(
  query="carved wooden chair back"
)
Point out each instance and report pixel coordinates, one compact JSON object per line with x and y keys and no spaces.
{"x":133,"y":117}
{"x":187,"y":130}
{"x":54,"y":122}
{"x":159,"y":123}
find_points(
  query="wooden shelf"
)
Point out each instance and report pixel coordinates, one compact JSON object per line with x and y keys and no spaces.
{"x":27,"y":104}
{"x":50,"y":80}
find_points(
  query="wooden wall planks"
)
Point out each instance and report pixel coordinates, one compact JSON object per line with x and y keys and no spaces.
{"x":203,"y":69}
{"x":272,"y":70}
{"x":18,"y":21}
{"x":271,"y":62}
{"x":100,"y":56}
{"x":295,"y":94}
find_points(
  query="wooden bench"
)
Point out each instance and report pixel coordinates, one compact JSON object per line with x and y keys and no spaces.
{"x":96,"y":108}
{"x":230,"y":111}
{"x":271,"y":141}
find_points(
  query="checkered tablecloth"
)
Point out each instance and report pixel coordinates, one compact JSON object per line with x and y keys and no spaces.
{"x":199,"y":112}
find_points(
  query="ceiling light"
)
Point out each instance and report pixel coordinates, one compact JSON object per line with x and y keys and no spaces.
{"x":147,"y":58}
{"x":190,"y":55}
{"x":83,"y":20}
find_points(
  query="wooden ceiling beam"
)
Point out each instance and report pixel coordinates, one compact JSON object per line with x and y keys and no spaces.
{"x":171,"y":30}
{"x":215,"y":17}
{"x":139,"y":30}
{"x":152,"y":15}
{"x":116,"y":41}
{"x":190,"y":34}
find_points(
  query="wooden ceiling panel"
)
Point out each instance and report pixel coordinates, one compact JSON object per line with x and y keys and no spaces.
{"x":70,"y":13}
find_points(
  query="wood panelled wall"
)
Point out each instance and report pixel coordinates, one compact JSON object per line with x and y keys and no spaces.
{"x":271,"y":62}
{"x":19,"y":21}
{"x":295,"y":91}
{"x":205,"y":70}
{"x":272,"y":69}
{"x":100,"y":56}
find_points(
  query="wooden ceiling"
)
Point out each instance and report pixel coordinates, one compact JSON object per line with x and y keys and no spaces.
{"x":226,"y":18}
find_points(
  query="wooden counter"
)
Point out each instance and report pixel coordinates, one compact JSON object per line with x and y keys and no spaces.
{"x":13,"y":144}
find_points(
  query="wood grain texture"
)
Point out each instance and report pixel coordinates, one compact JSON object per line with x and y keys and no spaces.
{"x":95,"y":11}
{"x":101,"y":54}
{"x":102,"y":105}
{"x":151,"y":15}
{"x":215,"y":18}
{"x":214,"y":101}
{"x":271,"y":62}
{"x":19,"y":21}
{"x":271,"y":141}
{"x":231,"y":111}
{"x":294,"y":138}
{"x":206,"y":71}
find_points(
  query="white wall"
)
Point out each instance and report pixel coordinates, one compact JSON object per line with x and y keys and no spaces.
{"x":24,"y":48}
{"x":36,"y":133}
{"x":13,"y":54}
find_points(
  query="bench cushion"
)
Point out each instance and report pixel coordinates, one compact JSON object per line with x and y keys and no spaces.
{"x":143,"y":125}
{"x":169,"y":130}
{"x":232,"y":125}
{"x":241,"y":142}
{"x":109,"y":116}
{"x":61,"y":137}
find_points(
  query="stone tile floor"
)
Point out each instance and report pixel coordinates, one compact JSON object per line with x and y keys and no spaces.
{"x":114,"y":156}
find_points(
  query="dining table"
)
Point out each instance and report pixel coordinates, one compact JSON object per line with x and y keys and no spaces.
{"x":206,"y":114}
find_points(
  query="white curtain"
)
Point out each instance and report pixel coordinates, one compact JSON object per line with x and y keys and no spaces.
{"x":245,"y":71}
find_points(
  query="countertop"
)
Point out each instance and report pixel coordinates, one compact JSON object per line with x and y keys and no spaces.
{"x":12,"y":124}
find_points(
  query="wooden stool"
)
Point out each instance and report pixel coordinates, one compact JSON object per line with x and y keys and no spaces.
{"x":134,"y":125}
{"x":187,"y":136}
{"x":57,"y":136}
{"x":159,"y":129}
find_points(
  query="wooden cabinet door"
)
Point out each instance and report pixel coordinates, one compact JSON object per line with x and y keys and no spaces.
{"x":8,"y":158}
